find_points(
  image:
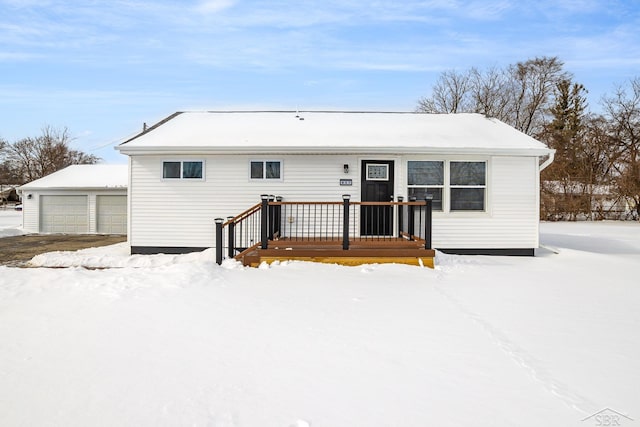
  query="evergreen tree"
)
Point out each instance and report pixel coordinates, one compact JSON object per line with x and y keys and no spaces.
{"x":563,"y":184}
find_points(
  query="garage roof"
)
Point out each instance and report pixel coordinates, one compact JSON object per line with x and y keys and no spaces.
{"x":83,"y":176}
{"x":331,"y":131}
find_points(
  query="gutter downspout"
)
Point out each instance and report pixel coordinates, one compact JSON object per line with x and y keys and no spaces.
{"x":547,"y":161}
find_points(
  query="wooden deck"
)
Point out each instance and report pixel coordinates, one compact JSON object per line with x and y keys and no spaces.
{"x":342,"y":232}
{"x":363,"y":251}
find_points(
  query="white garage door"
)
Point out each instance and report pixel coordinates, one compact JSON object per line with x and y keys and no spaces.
{"x":64,"y":214}
{"x":112,"y":214}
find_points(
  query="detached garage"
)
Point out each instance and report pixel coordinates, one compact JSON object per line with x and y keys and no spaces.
{"x":80,"y":199}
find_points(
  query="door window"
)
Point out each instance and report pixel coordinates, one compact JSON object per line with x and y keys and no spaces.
{"x":377,"y":172}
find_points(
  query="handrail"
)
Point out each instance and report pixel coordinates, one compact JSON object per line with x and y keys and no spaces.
{"x":421,"y":203}
{"x":241,"y":232}
{"x":303,"y":203}
{"x":244,"y":214}
{"x":316,"y":221}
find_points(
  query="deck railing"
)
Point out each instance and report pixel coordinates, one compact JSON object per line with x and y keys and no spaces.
{"x":345,"y":222}
{"x":238,"y":233}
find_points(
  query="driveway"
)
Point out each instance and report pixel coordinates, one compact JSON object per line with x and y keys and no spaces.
{"x":17,"y":250}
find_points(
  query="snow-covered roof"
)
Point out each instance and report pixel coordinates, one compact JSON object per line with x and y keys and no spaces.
{"x":83,"y":176}
{"x":322,"y":132}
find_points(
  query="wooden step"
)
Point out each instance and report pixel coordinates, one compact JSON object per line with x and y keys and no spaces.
{"x":353,"y":256}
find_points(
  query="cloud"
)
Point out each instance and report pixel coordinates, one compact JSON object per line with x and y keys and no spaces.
{"x":488,"y":11}
{"x":22,"y":96}
{"x":215,"y":6}
{"x":579,"y":6}
{"x":619,"y":48}
{"x":26,"y":3}
{"x":18,"y":56}
{"x":278,"y":36}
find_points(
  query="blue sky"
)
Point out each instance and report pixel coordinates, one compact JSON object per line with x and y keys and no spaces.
{"x":102,"y":68}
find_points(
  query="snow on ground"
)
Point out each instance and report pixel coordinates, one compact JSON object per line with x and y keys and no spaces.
{"x":10,"y":222}
{"x":176,"y":340}
{"x":115,"y":256}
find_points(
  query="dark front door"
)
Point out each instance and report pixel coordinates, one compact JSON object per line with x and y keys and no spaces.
{"x":377,"y":186}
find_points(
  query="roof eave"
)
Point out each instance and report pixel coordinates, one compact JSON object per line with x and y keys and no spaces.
{"x":131,"y":150}
{"x":26,"y":187}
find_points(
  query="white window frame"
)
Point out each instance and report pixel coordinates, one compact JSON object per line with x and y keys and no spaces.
{"x":451,"y":186}
{"x":446,"y":187}
{"x":386,"y":170}
{"x":264,"y":170}
{"x":182,"y":162}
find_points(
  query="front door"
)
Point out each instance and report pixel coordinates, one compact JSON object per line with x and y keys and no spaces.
{"x":377,"y":186}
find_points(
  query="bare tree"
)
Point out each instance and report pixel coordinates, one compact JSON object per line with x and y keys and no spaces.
{"x":533,"y":83}
{"x":491,"y":93}
{"x":8,"y":173}
{"x":34,"y":157}
{"x":623,"y":113}
{"x":597,"y":159}
{"x":518,"y":95}
{"x":450,"y":94}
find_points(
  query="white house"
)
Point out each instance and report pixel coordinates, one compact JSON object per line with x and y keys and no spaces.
{"x":79,"y":199}
{"x":192,"y":167}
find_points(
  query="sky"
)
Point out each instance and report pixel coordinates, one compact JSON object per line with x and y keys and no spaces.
{"x":103,"y":68}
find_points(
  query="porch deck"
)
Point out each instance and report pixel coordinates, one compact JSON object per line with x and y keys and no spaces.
{"x":347,"y":233}
{"x":369,"y":251}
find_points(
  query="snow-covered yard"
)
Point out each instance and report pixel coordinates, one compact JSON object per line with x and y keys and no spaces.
{"x":10,"y":222}
{"x":176,"y":340}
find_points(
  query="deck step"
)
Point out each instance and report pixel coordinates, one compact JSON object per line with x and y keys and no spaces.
{"x":353,"y":256}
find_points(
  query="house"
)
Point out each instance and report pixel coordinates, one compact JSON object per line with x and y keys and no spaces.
{"x":79,"y":199}
{"x":481,"y":175}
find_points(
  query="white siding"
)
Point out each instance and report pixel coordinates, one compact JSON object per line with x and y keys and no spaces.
{"x":181,"y":213}
{"x":30,"y":212}
{"x":511,"y":220}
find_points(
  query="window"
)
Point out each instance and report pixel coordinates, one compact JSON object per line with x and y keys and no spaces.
{"x":468,"y":186}
{"x":377,"y":172}
{"x":170,"y":170}
{"x":183,"y":170}
{"x":192,"y":170}
{"x":464,"y":183}
{"x":426,"y":179}
{"x":265,"y":169}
